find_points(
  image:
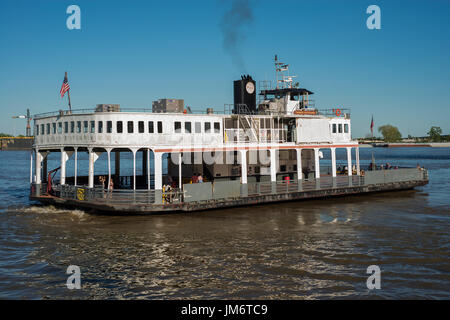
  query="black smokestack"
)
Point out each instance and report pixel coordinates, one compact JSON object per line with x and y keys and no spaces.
{"x":233,"y":24}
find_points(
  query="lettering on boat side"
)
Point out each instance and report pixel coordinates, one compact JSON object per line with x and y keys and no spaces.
{"x":374,"y":20}
{"x":74,"y":20}
{"x":374,"y":281}
{"x":74,"y":280}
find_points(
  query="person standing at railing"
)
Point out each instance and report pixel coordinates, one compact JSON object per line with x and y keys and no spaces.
{"x":110,"y":188}
{"x":102,"y":180}
{"x":200,"y":178}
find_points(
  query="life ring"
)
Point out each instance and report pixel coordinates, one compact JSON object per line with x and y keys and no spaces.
{"x":338,"y":112}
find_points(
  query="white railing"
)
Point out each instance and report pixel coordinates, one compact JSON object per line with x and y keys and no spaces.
{"x":246,"y":135}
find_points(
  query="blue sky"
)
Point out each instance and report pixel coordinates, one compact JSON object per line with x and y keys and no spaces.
{"x":134,"y":52}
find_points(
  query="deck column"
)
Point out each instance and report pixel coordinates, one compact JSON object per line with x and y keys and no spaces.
{"x":134,"y":169}
{"x":38,"y":166}
{"x":317,"y":163}
{"x":358,"y":168}
{"x":157,"y":156}
{"x":349,"y":160}
{"x":333,"y":167}
{"x":31,"y":166}
{"x":64,"y":158}
{"x":180,"y":179}
{"x":76,"y":167}
{"x":158,"y":170}
{"x":109,"y":169}
{"x":91,"y":169}
{"x":93,"y":156}
{"x":273,"y":165}
{"x":243,"y":154}
{"x":333,"y":162}
{"x":273,"y":169}
{"x":299,"y":164}
{"x":148,"y":169}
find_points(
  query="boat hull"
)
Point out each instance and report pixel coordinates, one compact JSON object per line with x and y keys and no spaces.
{"x":142,"y":209}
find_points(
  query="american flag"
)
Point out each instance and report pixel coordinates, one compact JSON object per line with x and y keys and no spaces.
{"x":65,"y":86}
{"x":371,"y":126}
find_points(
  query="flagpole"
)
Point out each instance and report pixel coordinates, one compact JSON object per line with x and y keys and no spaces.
{"x":70,"y":106}
{"x":68,"y":95}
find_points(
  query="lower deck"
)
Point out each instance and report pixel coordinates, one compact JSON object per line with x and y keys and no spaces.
{"x":223,"y":194}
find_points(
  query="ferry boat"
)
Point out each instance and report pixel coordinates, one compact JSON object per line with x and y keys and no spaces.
{"x":261,"y":149}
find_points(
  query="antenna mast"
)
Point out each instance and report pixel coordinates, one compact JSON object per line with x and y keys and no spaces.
{"x":286,"y":80}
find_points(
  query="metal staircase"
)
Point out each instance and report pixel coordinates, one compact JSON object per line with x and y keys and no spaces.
{"x":246,"y":124}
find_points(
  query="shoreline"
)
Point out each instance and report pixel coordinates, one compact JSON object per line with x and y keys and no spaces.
{"x":406,"y":145}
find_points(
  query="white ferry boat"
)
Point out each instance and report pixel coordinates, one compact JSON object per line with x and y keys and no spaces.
{"x":260,"y":149}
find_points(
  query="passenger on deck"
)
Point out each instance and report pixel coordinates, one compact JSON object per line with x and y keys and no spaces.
{"x":200,"y":178}
{"x":102,"y":181}
{"x":306,"y":172}
{"x":195,"y":178}
{"x":169,"y":180}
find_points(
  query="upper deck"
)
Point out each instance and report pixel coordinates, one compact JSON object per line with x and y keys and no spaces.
{"x":142,"y":127}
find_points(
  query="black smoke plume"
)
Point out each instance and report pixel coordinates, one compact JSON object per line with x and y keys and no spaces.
{"x":233,"y":25}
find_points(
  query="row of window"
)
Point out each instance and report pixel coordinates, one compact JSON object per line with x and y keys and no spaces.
{"x":337,"y":128}
{"x":197,"y":127}
{"x":97,"y":127}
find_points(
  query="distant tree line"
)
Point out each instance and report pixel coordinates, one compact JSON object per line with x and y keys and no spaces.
{"x":391,"y":133}
{"x":3,"y":135}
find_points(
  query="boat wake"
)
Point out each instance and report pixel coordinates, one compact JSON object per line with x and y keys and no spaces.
{"x":37,"y":209}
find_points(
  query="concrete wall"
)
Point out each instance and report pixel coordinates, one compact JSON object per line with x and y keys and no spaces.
{"x":16,"y":143}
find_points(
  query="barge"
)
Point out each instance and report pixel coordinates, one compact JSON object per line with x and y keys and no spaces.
{"x":260,"y":149}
